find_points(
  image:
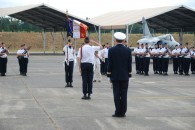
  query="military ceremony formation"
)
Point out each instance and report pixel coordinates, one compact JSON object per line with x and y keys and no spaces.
{"x":182,"y":57}
{"x":127,"y":69}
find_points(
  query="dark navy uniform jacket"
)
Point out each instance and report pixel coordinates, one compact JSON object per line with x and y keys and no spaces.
{"x":119,"y":63}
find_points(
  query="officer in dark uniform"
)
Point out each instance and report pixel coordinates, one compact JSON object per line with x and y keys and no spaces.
{"x":119,"y":72}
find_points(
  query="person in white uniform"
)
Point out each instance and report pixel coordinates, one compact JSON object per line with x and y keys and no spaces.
{"x":86,"y":61}
{"x":69,"y":53}
{"x":3,"y":59}
{"x":23,"y":55}
{"x":97,"y":73}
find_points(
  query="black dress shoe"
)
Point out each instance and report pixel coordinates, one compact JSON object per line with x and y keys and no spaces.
{"x":123,"y":115}
{"x":84,"y":97}
{"x":70,"y":85}
{"x":67,"y":85}
{"x":114,"y":115}
{"x":24,"y":74}
{"x":3,"y":75}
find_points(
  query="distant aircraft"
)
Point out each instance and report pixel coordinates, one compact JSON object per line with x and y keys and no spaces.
{"x":148,"y":38}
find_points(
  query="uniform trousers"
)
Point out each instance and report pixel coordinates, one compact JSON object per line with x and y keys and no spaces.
{"x":102,"y":67}
{"x":97,"y":74}
{"x":69,"y":71}
{"x":87,"y":77}
{"x":23,"y":64}
{"x":186,"y":65}
{"x":193,"y":64}
{"x":165,"y":64}
{"x":160,"y":64}
{"x":175,"y":64}
{"x":155,"y":64}
{"x":137,"y":63}
{"x":180,"y":62}
{"x":146,"y":64}
{"x":106,"y":65}
{"x":3,"y":65}
{"x":120,"y":88}
{"x":141,"y":64}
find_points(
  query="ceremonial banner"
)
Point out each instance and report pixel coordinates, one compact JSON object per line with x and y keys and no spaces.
{"x":79,"y":29}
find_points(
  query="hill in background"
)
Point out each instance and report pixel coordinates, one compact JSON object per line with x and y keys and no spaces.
{"x":35,"y":40}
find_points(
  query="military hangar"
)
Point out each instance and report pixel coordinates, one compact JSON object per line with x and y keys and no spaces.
{"x":161,"y":19}
{"x":45,"y":17}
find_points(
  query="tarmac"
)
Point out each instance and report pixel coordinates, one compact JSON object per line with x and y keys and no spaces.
{"x":40,"y":101}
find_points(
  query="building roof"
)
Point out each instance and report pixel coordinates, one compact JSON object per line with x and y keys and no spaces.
{"x":172,"y":18}
{"x":42,"y":15}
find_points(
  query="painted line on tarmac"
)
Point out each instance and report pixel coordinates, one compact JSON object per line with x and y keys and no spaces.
{"x":163,"y":97}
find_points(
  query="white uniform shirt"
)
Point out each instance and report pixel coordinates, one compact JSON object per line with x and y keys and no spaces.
{"x":186,"y":51}
{"x":97,"y":60}
{"x":166,"y":50}
{"x":105,"y":52}
{"x":69,"y":53}
{"x":147,"y":54}
{"x":136,"y":51}
{"x":141,"y":51}
{"x":21,"y":51}
{"x":3,"y":56}
{"x":160,"y":50}
{"x":193,"y":54}
{"x":175,"y":51}
{"x":155,"y":51}
{"x":88,"y":53}
{"x":179,"y":49}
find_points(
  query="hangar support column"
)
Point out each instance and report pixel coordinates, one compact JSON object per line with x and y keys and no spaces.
{"x":127,"y":34}
{"x":181,"y":37}
{"x":99,"y":34}
{"x":53,"y":34}
{"x":112,"y":37}
{"x":44,"y":40}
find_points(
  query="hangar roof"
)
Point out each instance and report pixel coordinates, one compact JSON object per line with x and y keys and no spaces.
{"x":42,"y":15}
{"x":172,"y":18}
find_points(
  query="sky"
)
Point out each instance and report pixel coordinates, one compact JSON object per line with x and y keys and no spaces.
{"x":93,"y":8}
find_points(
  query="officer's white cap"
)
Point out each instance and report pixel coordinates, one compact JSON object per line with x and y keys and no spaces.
{"x":119,"y":36}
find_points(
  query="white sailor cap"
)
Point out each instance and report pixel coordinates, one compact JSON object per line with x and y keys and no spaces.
{"x":119,"y":36}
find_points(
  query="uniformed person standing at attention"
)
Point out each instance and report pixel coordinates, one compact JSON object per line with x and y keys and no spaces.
{"x":175,"y":53}
{"x":146,"y":60}
{"x":193,"y":60}
{"x":22,"y":55}
{"x":160,"y":60}
{"x":86,"y":61}
{"x":186,"y":60}
{"x":69,"y":63}
{"x":136,"y":54}
{"x":141,"y":59}
{"x":154,"y":54}
{"x":3,"y":59}
{"x":165,"y":59}
{"x":180,"y":60}
{"x":119,"y":72}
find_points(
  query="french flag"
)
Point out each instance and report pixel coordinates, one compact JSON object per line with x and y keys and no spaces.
{"x":76,"y":29}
